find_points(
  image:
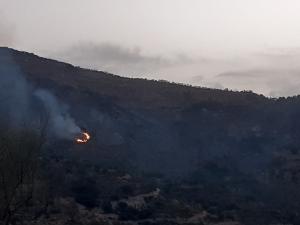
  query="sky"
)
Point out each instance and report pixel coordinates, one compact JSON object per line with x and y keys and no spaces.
{"x":236,"y":44}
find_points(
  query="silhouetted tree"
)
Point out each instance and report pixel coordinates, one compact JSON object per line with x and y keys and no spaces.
{"x":19,"y":159}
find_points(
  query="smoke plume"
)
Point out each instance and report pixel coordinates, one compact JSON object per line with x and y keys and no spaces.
{"x":22,"y":105}
{"x":61,"y":123}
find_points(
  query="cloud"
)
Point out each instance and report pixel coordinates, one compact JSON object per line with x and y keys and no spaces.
{"x":260,"y":74}
{"x":241,"y":74}
{"x":274,"y":73}
{"x":284,"y":87}
{"x":117,"y":59}
{"x":7,"y":32}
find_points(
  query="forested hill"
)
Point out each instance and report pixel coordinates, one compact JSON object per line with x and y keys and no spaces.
{"x":140,"y":93}
{"x":157,"y":118}
{"x":235,"y":154}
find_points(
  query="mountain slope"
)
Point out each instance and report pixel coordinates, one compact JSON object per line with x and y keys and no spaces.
{"x":156,"y":120}
{"x":232,"y":152}
{"x":137,"y":92}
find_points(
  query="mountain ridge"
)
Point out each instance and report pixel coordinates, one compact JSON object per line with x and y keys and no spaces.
{"x":164,"y":94}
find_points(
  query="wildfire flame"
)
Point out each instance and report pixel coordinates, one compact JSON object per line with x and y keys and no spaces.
{"x":85,"y":137}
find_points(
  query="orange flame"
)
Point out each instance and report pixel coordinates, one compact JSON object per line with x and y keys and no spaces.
{"x":84,"y":139}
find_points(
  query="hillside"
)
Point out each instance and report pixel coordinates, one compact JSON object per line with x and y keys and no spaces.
{"x":138,"y":93}
{"x":215,"y":155}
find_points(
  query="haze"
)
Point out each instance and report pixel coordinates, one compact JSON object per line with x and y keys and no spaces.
{"x":235,"y":44}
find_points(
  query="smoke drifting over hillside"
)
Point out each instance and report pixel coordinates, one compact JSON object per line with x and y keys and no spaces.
{"x":23,"y":105}
{"x":61,"y":123}
{"x":14,"y":91}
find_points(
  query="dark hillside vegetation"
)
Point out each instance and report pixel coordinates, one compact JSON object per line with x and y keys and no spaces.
{"x":160,"y":153}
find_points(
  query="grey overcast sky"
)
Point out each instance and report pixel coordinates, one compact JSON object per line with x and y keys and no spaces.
{"x":236,"y":44}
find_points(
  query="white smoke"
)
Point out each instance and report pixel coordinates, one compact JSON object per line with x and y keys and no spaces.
{"x":61,"y":123}
{"x":19,"y":106}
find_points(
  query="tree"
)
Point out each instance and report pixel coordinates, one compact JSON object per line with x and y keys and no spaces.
{"x":19,"y":159}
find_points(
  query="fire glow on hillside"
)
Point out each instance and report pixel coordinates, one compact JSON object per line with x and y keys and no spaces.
{"x":84,"y":138}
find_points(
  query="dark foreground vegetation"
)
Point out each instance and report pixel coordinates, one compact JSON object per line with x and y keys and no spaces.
{"x":160,"y":153}
{"x":42,"y":186}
